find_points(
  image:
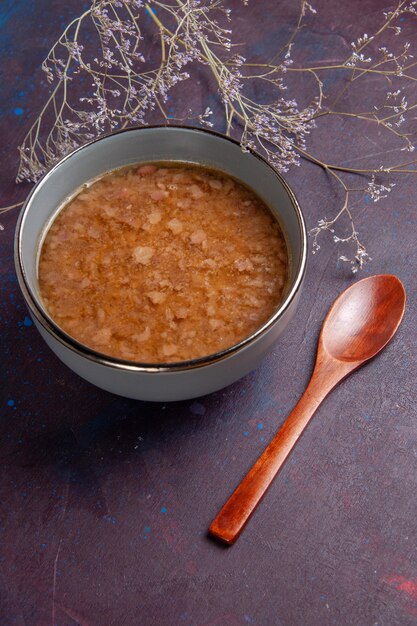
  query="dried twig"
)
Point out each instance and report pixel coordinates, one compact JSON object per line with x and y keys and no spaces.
{"x":122,"y":88}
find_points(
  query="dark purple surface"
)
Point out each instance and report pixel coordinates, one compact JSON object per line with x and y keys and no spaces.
{"x":105,"y":502}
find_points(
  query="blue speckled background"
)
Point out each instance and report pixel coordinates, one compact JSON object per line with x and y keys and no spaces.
{"x":105,"y":502}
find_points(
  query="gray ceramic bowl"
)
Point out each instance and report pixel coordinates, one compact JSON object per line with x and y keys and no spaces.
{"x":173,"y":381}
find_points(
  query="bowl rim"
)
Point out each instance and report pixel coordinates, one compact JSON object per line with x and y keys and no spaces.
{"x":46,"y":321}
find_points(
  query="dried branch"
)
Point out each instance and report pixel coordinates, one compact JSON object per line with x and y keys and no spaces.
{"x":123,"y":84}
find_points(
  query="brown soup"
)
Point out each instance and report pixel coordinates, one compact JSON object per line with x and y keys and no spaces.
{"x":163,"y":263}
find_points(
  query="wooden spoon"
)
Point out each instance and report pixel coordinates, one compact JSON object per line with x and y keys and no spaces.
{"x":359,"y":324}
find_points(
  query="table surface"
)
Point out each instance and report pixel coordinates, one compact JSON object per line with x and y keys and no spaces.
{"x":105,"y":502}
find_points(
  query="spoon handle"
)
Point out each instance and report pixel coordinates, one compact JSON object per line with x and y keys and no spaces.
{"x":232,"y":518}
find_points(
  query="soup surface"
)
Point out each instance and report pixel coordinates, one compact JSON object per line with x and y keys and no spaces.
{"x":163,"y":263}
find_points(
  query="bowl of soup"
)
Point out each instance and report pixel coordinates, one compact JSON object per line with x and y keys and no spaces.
{"x":161,"y":263}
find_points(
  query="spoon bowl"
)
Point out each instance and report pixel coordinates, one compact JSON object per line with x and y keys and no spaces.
{"x":364,"y":318}
{"x":358,"y":326}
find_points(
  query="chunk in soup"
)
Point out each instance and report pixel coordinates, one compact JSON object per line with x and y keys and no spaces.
{"x":163,"y":263}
